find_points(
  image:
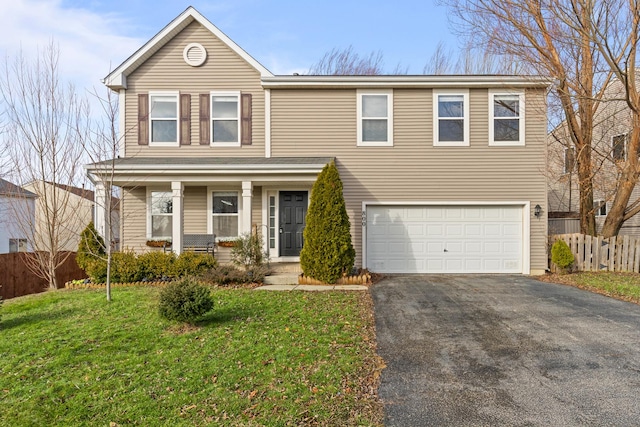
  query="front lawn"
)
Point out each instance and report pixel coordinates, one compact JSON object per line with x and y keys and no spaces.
{"x":259,"y":358}
{"x":625,"y":286}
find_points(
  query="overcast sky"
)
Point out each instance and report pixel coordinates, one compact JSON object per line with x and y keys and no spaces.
{"x":95,"y":36}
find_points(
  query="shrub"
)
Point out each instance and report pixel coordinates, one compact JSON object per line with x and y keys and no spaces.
{"x":124,"y":267}
{"x":248,"y":250}
{"x":156,"y":264}
{"x":328,"y":251}
{"x":191,"y":264}
{"x":229,"y":275}
{"x":90,"y":248}
{"x":185,"y":300}
{"x":561,"y":255}
{"x":97,"y":270}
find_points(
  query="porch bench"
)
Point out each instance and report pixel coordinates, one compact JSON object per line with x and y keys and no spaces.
{"x":200,"y":243}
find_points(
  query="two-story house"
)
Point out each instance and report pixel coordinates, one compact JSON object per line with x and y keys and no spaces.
{"x":441,"y":174}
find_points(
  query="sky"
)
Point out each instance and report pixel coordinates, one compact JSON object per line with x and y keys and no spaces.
{"x":95,"y":36}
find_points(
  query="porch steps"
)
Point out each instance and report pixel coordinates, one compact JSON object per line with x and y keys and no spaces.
{"x":283,"y":273}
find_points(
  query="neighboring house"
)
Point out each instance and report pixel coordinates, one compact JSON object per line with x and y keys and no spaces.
{"x":17,"y":207}
{"x":75,"y":209}
{"x":441,"y":174}
{"x":613,"y":123}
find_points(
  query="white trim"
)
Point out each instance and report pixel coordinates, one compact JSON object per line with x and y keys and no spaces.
{"x":433,"y":81}
{"x":122,"y":130}
{"x":235,"y":93}
{"x":117,"y":79}
{"x":151,"y":119}
{"x":521,"y":118}
{"x":389,"y":118}
{"x":267,"y":123}
{"x":177,"y":218}
{"x":466,"y":118}
{"x":199,"y":61}
{"x":526,"y":222}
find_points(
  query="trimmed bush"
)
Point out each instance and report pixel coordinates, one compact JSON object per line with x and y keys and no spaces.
{"x":328,"y":251}
{"x":185,"y":301}
{"x":156,"y":264}
{"x":561,"y":255}
{"x":191,"y":264}
{"x":90,"y":248}
{"x":248,"y":251}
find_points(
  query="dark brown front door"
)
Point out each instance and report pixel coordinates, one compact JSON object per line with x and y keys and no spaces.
{"x":293,"y":210}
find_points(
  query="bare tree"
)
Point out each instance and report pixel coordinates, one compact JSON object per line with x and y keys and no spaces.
{"x":44,"y":123}
{"x":347,"y":62}
{"x":584,"y":45}
{"x":102,"y":148}
{"x":470,"y":60}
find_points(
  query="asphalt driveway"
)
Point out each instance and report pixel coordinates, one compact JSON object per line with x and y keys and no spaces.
{"x":505,"y":350}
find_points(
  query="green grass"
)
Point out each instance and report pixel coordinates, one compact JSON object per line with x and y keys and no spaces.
{"x":259,"y":358}
{"x":619,"y":285}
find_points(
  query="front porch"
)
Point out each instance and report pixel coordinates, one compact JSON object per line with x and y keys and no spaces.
{"x":225,"y":197}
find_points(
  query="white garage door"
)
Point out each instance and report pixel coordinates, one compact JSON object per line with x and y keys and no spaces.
{"x":444,"y":239}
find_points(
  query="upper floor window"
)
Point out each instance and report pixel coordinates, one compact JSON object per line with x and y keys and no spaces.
{"x":225,"y":118}
{"x":569,"y":159}
{"x":600,"y":207}
{"x":163,"y":118}
{"x":161,"y":214}
{"x":375,"y":118}
{"x":451,"y":118}
{"x":17,"y":245}
{"x":506,"y":118}
{"x":619,"y":147}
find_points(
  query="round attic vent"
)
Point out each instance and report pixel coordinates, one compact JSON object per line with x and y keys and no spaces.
{"x":194,"y":54}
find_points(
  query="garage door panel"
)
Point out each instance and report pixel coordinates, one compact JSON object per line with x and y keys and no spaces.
{"x":445,"y":239}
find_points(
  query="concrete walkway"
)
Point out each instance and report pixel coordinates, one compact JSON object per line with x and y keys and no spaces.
{"x":312,"y":288}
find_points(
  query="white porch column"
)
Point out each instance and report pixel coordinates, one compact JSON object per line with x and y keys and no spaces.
{"x":101,"y":210}
{"x":247,"y":193}
{"x":178,"y":224}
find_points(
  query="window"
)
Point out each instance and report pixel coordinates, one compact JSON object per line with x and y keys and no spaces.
{"x":17,"y":245}
{"x":161,"y":215}
{"x":451,"y":118}
{"x":163,"y":118}
{"x":619,"y":145}
{"x":569,"y":159}
{"x":375,"y":118}
{"x":225,"y":214}
{"x":225,"y":118}
{"x":600,"y":207}
{"x":506,"y":118}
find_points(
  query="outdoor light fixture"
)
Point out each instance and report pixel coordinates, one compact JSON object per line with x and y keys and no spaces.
{"x":537,"y":211}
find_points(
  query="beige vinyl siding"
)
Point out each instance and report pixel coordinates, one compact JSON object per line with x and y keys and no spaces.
{"x":324,"y":123}
{"x":134,"y":220}
{"x":195,"y":210}
{"x":256,"y":210}
{"x":224,"y":70}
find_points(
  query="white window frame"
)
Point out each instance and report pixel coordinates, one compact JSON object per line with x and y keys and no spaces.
{"x":436,"y":118}
{"x":210,"y":214}
{"x":175,"y":143}
{"x":388,"y":118}
{"x":602,"y":204}
{"x":150,"y":192}
{"x":236,"y":94}
{"x":21,"y":244}
{"x":521,"y":118}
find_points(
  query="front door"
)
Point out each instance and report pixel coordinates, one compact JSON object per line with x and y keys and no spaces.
{"x":293,"y":211}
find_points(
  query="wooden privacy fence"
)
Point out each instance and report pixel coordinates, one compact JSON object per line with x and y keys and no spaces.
{"x":17,"y":280}
{"x":617,"y":253}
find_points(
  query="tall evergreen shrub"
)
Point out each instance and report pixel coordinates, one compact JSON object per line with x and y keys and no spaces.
{"x":90,"y":248}
{"x":328,"y":251}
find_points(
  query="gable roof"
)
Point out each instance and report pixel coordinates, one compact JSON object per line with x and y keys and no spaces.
{"x":9,"y":189}
{"x":117,"y":79}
